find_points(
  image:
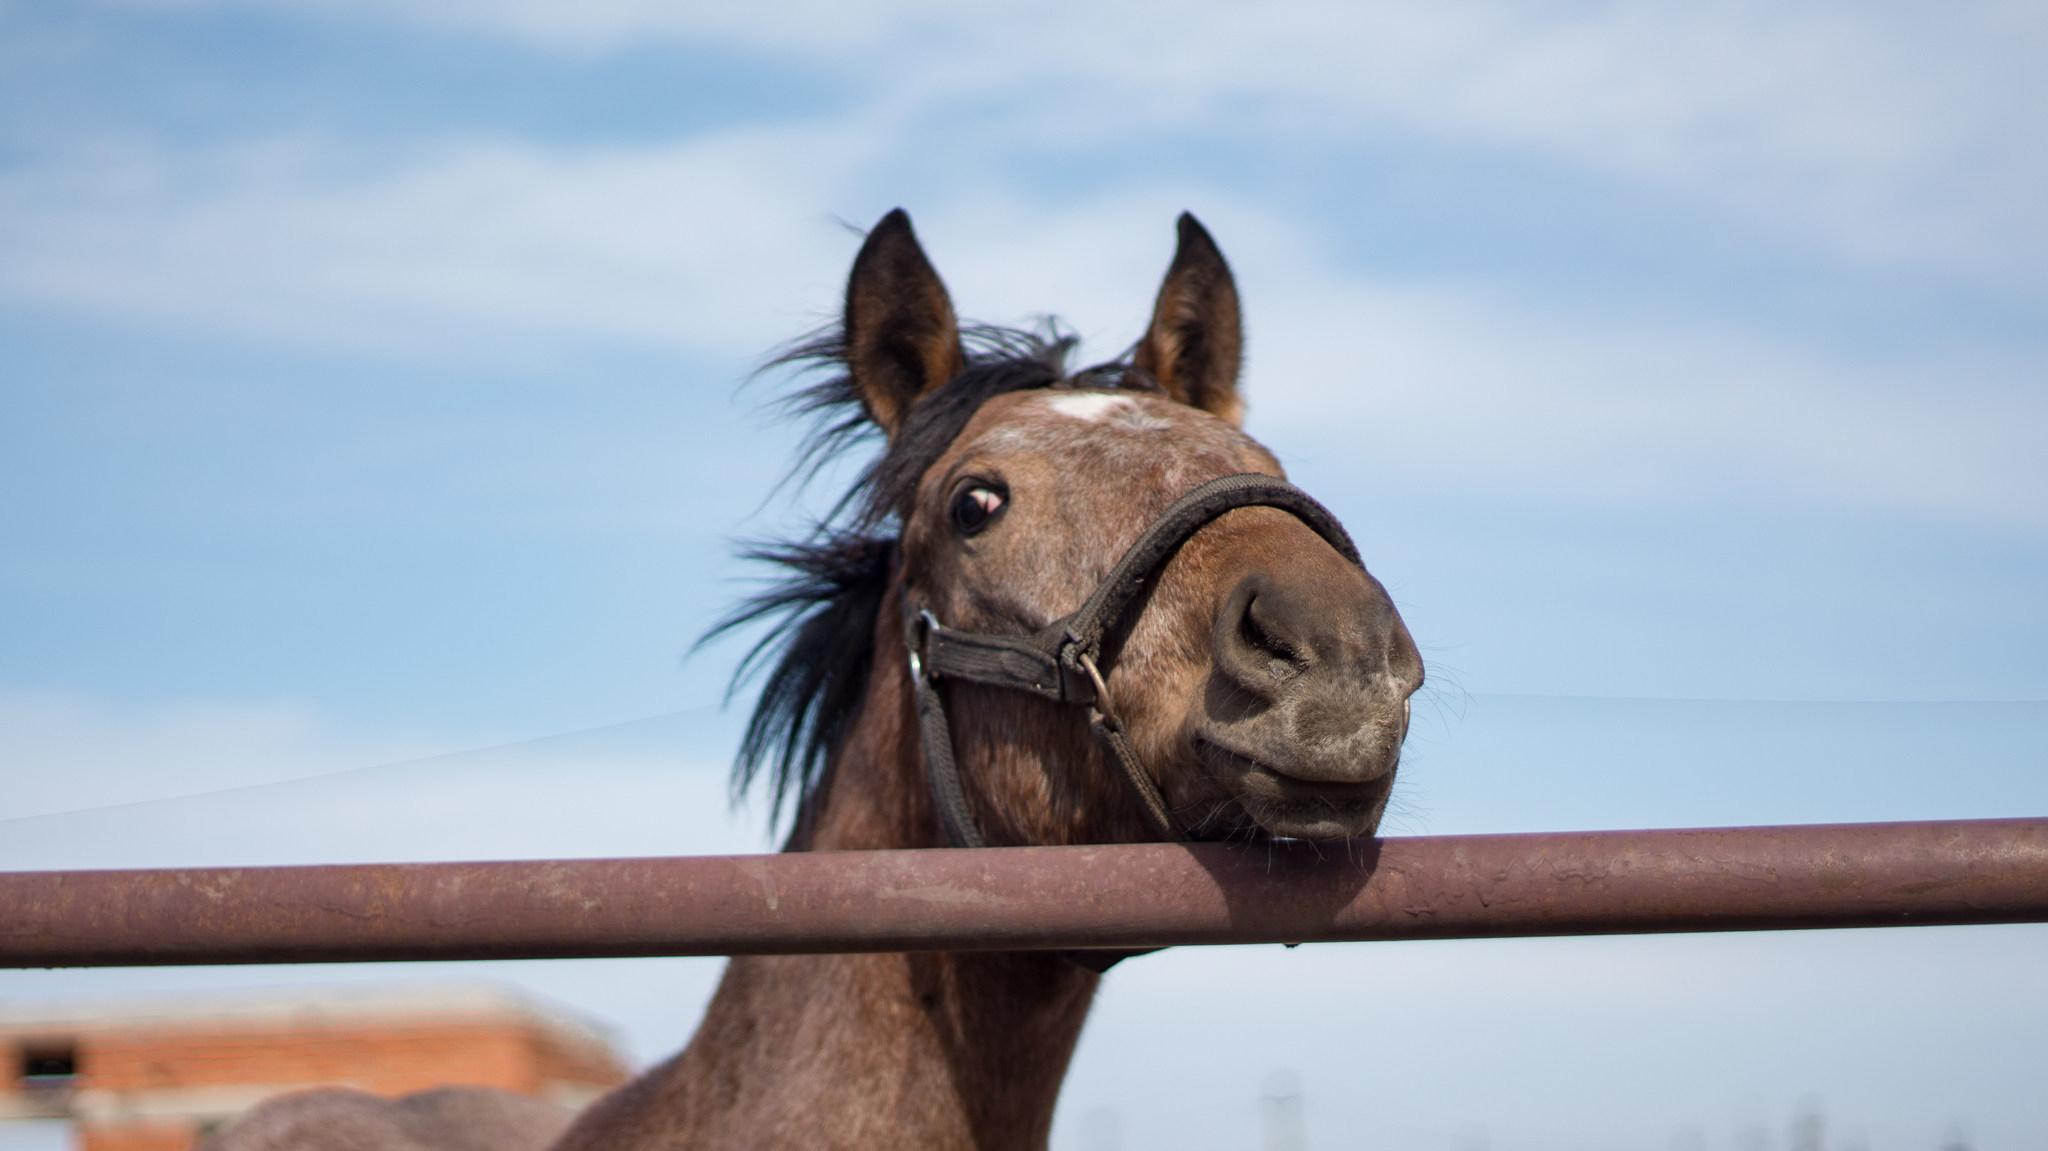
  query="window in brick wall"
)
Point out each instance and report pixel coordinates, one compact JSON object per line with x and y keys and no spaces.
{"x":49,"y":1065}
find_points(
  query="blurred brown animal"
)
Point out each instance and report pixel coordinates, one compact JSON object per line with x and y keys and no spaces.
{"x":443,"y":1119}
{"x":1263,"y":685}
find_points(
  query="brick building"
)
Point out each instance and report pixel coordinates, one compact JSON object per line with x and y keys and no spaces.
{"x":155,"y":1074}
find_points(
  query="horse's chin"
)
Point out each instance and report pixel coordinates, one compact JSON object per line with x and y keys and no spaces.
{"x":1283,"y":806}
{"x":1318,"y":822}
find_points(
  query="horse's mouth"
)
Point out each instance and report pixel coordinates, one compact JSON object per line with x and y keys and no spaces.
{"x":1289,"y":807}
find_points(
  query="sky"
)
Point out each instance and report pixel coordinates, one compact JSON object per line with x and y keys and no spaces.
{"x":376,"y":428}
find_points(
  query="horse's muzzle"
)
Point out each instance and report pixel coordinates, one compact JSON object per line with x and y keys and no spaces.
{"x":1307,"y":706}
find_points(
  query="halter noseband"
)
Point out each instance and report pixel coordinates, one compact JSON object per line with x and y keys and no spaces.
{"x":1064,"y":662}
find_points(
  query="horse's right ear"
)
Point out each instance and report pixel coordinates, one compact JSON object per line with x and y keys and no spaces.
{"x":902,"y":339}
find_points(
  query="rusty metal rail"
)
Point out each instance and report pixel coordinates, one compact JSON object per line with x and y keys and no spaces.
{"x":1129,"y":896}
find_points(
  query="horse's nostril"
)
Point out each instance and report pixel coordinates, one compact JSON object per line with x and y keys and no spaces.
{"x":1265,"y":636}
{"x":1282,"y":657}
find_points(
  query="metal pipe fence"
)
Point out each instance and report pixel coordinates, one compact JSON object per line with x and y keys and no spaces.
{"x":1120,"y":896}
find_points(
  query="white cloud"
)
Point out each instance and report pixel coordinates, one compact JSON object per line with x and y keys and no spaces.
{"x":240,"y":785}
{"x":66,"y":752}
{"x":1885,"y":136}
{"x":1481,"y":394}
{"x":465,"y":246}
{"x":1891,"y":135}
{"x":598,"y":26}
{"x":480,"y":247}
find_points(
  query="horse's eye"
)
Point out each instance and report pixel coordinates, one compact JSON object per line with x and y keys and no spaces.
{"x":975,"y":505}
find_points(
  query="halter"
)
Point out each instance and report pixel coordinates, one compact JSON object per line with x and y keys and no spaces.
{"x":1064,"y":660}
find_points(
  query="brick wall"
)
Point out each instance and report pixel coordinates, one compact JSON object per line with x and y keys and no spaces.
{"x":158,"y":1084}
{"x":389,"y":1059}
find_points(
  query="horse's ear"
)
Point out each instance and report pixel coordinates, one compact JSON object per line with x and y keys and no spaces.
{"x":902,"y":339}
{"x":1196,"y":341}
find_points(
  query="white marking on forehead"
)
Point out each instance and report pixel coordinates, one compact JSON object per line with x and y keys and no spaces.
{"x":1092,"y":406}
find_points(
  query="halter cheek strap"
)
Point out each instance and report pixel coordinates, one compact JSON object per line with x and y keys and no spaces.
{"x":1064,"y":660}
{"x":989,"y":665}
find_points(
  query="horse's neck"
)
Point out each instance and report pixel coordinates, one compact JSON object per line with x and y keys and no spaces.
{"x":942,"y":1050}
{"x":926,"y":1050}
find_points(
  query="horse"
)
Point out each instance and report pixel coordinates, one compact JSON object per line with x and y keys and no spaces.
{"x":935,"y":679}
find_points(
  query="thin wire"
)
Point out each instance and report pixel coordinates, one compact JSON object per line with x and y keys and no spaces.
{"x":396,"y":763}
{"x":424,"y":760}
{"x":1744,"y":699}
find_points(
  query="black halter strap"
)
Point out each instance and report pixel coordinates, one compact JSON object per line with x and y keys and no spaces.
{"x":1064,"y":661}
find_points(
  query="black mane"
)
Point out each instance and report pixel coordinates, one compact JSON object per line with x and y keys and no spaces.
{"x":823,"y":608}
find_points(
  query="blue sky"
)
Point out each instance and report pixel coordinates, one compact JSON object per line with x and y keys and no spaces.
{"x":372,"y":396}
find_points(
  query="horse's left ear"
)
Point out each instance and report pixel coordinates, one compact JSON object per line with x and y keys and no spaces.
{"x":1196,"y":342}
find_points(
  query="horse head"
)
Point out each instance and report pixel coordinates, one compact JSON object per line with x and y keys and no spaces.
{"x":1260,"y":675}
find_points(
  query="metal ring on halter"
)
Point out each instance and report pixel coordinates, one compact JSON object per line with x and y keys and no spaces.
{"x":1101,"y":705}
{"x":916,"y":644}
